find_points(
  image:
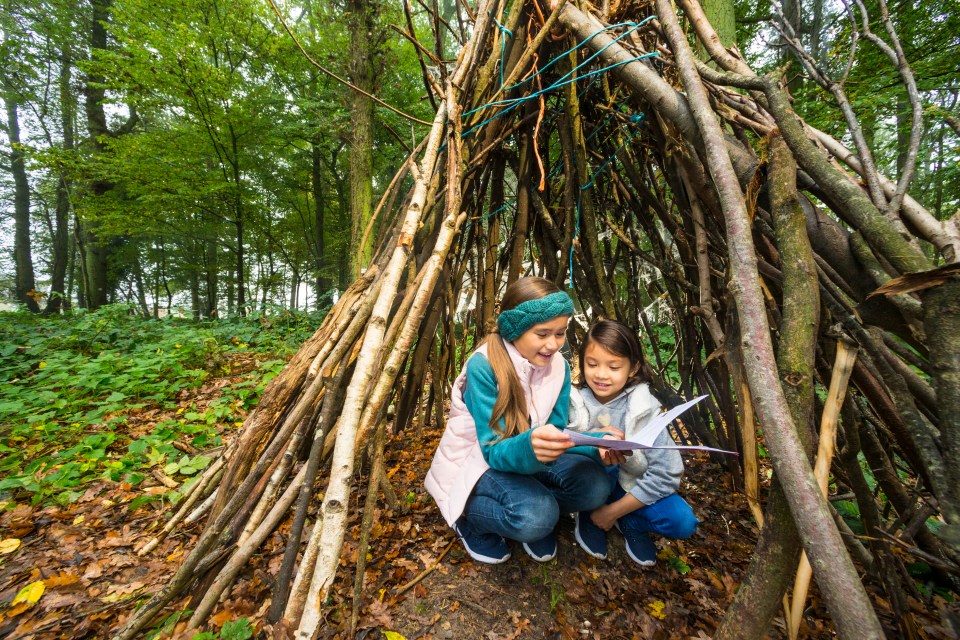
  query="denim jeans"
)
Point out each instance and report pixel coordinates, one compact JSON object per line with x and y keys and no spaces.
{"x":526,"y":508}
{"x":671,"y":517}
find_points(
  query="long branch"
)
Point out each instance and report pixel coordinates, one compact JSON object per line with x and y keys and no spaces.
{"x":836,"y":575}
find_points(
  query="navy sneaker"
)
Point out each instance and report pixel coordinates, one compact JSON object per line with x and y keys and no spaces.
{"x":488,"y":548}
{"x":542,"y":550}
{"x":640,"y":547}
{"x":590,"y":537}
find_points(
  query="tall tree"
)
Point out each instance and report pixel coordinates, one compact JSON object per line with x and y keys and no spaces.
{"x":25,"y":291}
{"x":99,"y":282}
{"x":24,"y":284}
{"x":60,"y":43}
{"x":365,"y":39}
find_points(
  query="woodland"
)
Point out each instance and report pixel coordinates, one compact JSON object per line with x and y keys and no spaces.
{"x":250,"y":245}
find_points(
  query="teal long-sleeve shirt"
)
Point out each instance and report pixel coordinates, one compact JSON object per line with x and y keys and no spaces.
{"x":514,"y":454}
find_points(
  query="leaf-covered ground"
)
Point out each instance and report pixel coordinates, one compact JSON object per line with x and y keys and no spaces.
{"x":74,"y":571}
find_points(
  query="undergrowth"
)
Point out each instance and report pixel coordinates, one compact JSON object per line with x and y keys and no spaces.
{"x":74,"y":390}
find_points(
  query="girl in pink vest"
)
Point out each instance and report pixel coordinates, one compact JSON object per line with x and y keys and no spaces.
{"x":504,"y":468}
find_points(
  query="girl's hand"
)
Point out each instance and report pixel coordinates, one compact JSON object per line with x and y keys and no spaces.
{"x":612,"y":432}
{"x":611,"y":457}
{"x":604,"y":517}
{"x":549,"y":443}
{"x":607,"y":515}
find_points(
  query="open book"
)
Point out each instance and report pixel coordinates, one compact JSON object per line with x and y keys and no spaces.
{"x":647,"y":435}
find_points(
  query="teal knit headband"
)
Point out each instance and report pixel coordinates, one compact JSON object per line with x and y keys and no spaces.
{"x":514,"y":322}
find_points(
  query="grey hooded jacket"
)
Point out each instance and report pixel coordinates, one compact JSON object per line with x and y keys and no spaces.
{"x":649,"y":475}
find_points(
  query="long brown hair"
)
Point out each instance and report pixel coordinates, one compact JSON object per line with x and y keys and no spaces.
{"x":511,"y":404}
{"x":620,"y":340}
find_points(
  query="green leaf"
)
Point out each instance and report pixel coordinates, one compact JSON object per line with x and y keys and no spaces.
{"x":239,"y":629}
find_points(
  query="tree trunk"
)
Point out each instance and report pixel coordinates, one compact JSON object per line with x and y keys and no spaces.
{"x":97,"y":251}
{"x":61,"y":239}
{"x":723,"y":17}
{"x":140,"y":289}
{"x":24,"y":285}
{"x":323,"y":282}
{"x":211,"y":264}
{"x":361,"y":16}
{"x":942,"y":324}
{"x":239,"y":280}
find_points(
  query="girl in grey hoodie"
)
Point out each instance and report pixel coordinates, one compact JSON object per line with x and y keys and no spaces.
{"x":615,"y":393}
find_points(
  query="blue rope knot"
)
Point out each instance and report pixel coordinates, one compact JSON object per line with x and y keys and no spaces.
{"x":503,"y":28}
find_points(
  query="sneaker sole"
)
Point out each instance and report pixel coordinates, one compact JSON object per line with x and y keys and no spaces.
{"x":539,"y":558}
{"x":479,"y":557}
{"x":642,"y":563}
{"x":583,"y":545}
{"x":484,"y":559}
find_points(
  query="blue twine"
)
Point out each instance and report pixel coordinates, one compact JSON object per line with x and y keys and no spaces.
{"x":566,"y":79}
{"x":557,"y":85}
{"x":602,"y":125}
{"x":489,"y":215}
{"x":503,"y":46}
{"x":634,"y":27}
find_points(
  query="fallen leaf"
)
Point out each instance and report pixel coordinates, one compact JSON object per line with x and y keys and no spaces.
{"x":29,"y":594}
{"x":393,"y":635}
{"x":381,"y":613}
{"x":9,"y":545}
{"x":94,"y":570}
{"x":222,"y":617}
{"x":656,"y":609}
{"x":61,"y":579}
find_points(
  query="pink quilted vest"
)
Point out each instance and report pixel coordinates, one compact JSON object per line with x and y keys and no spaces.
{"x":458,"y":462}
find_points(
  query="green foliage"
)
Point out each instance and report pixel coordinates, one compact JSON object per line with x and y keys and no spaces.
{"x":927,"y":32}
{"x":72,"y":388}
{"x":239,"y":629}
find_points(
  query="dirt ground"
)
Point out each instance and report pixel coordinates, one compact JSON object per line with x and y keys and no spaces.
{"x":419,"y":582}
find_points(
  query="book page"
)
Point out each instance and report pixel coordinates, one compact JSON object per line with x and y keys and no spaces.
{"x":647,"y":436}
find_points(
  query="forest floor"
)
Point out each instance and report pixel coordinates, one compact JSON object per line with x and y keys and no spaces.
{"x":77,"y":573}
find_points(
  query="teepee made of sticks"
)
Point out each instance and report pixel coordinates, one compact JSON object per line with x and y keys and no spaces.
{"x":595,"y":147}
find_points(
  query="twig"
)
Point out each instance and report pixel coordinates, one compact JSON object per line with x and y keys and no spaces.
{"x":423,"y":574}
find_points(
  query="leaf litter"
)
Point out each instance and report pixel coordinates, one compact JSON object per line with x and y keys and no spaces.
{"x":74,"y":572}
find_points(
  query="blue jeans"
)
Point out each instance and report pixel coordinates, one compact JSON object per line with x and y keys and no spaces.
{"x":671,"y":517}
{"x":526,"y":508}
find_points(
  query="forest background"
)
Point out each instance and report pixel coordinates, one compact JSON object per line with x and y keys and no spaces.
{"x":188,"y":157}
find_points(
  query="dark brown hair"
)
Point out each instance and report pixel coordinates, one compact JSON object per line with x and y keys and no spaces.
{"x":620,"y":340}
{"x":511,"y":404}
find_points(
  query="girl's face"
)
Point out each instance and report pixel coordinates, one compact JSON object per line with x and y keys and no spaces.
{"x":606,"y":373}
{"x":538,"y":343}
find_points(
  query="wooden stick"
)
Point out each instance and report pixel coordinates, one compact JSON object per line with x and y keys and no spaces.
{"x":369,"y":505}
{"x":842,"y":368}
{"x":195,"y":492}
{"x":330,"y":530}
{"x":751,"y":470}
{"x":423,"y":574}
{"x":240,"y":557}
